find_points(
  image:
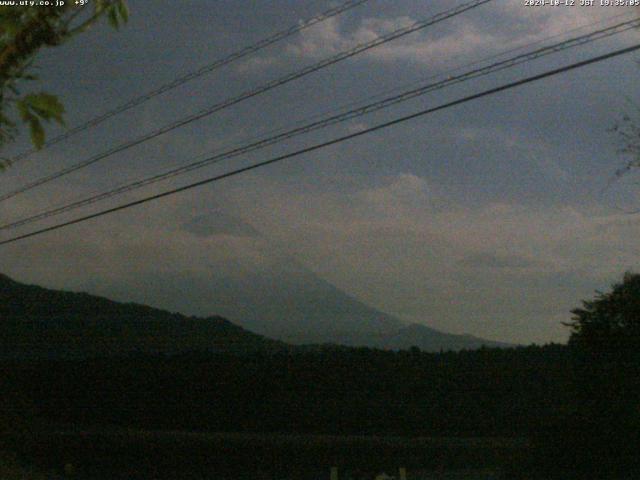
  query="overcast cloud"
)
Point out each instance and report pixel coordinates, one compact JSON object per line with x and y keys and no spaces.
{"x":493,"y":218}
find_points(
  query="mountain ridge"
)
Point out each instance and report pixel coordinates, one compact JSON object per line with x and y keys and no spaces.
{"x":41,"y":322}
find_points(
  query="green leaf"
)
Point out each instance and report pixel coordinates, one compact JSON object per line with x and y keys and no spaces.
{"x":46,"y":106}
{"x":113,"y":17}
{"x":10,"y":24}
{"x":123,"y":9}
{"x":37,"y":133}
{"x":36,"y":107}
{"x":100,"y":6}
{"x":117,"y":13}
{"x":23,"y":109}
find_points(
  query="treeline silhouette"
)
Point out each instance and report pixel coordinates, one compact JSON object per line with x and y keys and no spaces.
{"x":323,"y":390}
{"x":526,"y":392}
{"x":578,"y":404}
{"x":577,"y":425}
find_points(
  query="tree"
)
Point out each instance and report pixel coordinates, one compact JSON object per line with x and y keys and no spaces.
{"x":598,"y":429}
{"x":605,"y":340}
{"x":609,"y":325}
{"x":24,"y":31}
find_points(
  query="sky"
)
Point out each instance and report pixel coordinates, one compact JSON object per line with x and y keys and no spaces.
{"x":493,"y":218}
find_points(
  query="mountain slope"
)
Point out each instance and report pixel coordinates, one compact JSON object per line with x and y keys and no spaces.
{"x":236,"y":272}
{"x":433,"y":340}
{"x":38,"y":322}
{"x":292,"y":304}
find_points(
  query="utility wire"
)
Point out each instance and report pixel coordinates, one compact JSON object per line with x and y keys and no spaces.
{"x":332,"y":120}
{"x":333,"y":141}
{"x":221,"y":62}
{"x":252,"y":93}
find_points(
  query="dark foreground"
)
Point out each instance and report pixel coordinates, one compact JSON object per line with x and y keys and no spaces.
{"x":120,"y":454}
{"x":380,"y":410}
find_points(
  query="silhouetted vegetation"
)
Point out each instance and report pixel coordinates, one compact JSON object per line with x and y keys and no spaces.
{"x":42,"y":323}
{"x":597,"y":437}
{"x":578,"y":403}
{"x":336,"y":391}
{"x":332,"y":391}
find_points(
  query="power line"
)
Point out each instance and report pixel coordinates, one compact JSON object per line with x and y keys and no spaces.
{"x":221,"y":62}
{"x":335,"y":119}
{"x":252,"y":93}
{"x":325,"y":144}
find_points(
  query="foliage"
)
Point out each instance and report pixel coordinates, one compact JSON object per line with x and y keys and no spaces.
{"x":609,"y":325}
{"x":605,"y":340}
{"x":24,"y":31}
{"x":10,"y":469}
{"x":213,"y":375}
{"x":325,"y":391}
{"x":348,"y":391}
{"x":597,"y":437}
{"x":578,"y":403}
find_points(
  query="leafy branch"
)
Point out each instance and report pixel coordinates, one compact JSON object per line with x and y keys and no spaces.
{"x":23,"y":33}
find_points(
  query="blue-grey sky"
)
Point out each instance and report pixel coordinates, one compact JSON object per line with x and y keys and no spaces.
{"x":490,"y":218}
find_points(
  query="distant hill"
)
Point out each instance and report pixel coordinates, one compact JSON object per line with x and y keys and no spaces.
{"x":38,"y":322}
{"x":432,"y":340}
{"x":291,"y":303}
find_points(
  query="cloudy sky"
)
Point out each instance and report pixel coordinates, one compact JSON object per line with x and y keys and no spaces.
{"x":493,"y":218}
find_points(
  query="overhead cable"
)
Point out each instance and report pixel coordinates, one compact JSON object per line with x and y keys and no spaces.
{"x":249,"y":94}
{"x":181,"y":80}
{"x":335,"y":119}
{"x":328,"y":143}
